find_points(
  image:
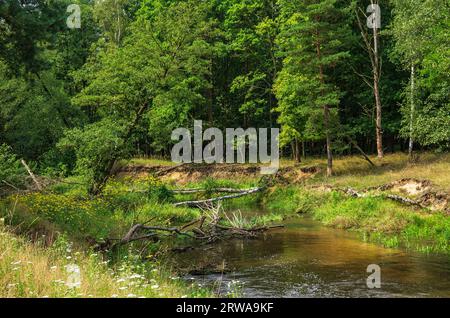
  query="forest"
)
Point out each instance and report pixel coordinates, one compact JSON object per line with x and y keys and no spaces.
{"x":91,"y":91}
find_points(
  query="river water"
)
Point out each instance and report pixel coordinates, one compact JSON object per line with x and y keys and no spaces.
{"x":306,"y":259}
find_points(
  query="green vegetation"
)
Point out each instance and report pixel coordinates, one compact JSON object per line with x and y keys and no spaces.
{"x":33,"y":270}
{"x":387,"y":222}
{"x":68,"y":217}
{"x":77,"y":105}
{"x":376,"y":218}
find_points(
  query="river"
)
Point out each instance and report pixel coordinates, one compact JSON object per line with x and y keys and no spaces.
{"x":307,"y":259}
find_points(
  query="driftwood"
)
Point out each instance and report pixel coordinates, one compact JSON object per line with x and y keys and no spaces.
{"x":200,"y":190}
{"x":205,"y":229}
{"x":208,"y":202}
{"x":397,"y":198}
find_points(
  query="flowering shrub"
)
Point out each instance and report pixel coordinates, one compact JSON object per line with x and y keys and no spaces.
{"x":83,"y":216}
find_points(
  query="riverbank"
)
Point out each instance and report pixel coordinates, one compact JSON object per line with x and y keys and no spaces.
{"x":31,"y":269}
{"x":303,"y":188}
{"x":41,"y":227}
{"x":376,"y":219}
{"x":41,"y":234}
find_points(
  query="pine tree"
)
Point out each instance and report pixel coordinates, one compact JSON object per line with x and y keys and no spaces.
{"x":313,"y":38}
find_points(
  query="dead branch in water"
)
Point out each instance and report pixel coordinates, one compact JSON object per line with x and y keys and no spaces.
{"x":206,"y":229}
{"x":208,"y":202}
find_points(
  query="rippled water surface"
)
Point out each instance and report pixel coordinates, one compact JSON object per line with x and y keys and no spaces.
{"x":306,"y":259}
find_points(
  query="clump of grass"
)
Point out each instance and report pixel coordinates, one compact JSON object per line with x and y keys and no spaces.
{"x":237,"y":220}
{"x":163,"y":212}
{"x":291,"y":199}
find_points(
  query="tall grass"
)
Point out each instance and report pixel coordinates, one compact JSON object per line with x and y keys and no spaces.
{"x":31,"y":270}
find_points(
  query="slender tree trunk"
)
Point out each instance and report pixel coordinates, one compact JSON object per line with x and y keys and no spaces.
{"x":293,"y":150}
{"x":103,"y":175}
{"x":376,"y":91}
{"x":297,"y":151}
{"x":326,"y":113}
{"x":210,"y":97}
{"x":376,"y":72}
{"x":411,"y":117}
{"x":326,"y":118}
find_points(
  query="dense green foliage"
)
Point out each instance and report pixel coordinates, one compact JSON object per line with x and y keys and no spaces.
{"x":80,"y":100}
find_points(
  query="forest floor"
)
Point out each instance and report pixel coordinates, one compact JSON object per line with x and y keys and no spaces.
{"x":43,"y":232}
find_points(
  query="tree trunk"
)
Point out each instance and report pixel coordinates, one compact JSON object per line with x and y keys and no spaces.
{"x":376,"y":91}
{"x":297,"y":151}
{"x":411,"y":117}
{"x":326,"y":118}
{"x":326,"y":114}
{"x":104,"y":174}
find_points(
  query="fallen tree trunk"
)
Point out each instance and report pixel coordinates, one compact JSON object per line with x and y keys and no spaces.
{"x":167,"y":170}
{"x":199,"y":190}
{"x":405,"y":200}
{"x":208,"y":202}
{"x":33,"y":177}
{"x":208,"y":231}
{"x":353,"y":193}
{"x":360,"y":150}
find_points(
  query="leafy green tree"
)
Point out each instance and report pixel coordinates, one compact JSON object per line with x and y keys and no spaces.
{"x":313,"y":38}
{"x":158,"y":72}
{"x":250,"y":29}
{"x":12,"y":172}
{"x":420,"y":31}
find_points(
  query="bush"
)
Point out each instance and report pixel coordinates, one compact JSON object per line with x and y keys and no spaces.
{"x":11,"y":170}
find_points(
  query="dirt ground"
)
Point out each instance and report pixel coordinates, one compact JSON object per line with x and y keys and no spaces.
{"x":186,"y":173}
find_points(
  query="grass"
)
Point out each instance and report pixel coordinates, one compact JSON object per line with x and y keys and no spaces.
{"x":151,"y":162}
{"x":42,"y":233}
{"x":37,"y":223}
{"x":375,"y":218}
{"x":356,"y":172}
{"x":31,"y":270}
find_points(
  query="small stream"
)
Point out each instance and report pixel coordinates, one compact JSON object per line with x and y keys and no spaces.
{"x":307,"y":259}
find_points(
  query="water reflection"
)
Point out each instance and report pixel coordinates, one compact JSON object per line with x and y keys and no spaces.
{"x":306,"y":259}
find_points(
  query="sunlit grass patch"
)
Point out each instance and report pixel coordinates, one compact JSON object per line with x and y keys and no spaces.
{"x":354,"y":171}
{"x":30,"y":270}
{"x":292,"y":199}
{"x":387,"y":222}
